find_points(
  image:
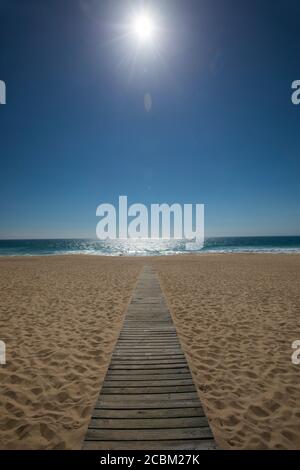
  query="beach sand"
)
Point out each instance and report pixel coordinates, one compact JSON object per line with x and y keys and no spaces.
{"x":59,"y":317}
{"x":237,"y":316}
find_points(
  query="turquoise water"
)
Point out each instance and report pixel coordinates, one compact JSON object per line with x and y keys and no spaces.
{"x":148,"y":247}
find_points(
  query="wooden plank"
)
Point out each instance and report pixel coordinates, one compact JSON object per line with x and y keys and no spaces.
{"x":148,"y":347}
{"x":147,"y":383}
{"x":196,"y":444}
{"x":153,"y":338}
{"x":150,"y":328}
{"x":148,"y":434}
{"x":144,"y":349}
{"x":146,"y":353}
{"x":149,"y":413}
{"x":147,"y":356}
{"x":148,"y":350}
{"x":105,"y":404}
{"x":145,"y":405}
{"x":148,"y":423}
{"x":168,"y":333}
{"x":152,"y":379}
{"x":145,"y":323}
{"x":142,"y":323}
{"x":141,"y":334}
{"x":167,"y":329}
{"x":147,"y":366}
{"x":150,"y":372}
{"x":149,"y":361}
{"x":112,"y":389}
{"x":148,"y":399}
{"x":148,"y":343}
{"x":172,"y":354}
{"x":147,"y":339}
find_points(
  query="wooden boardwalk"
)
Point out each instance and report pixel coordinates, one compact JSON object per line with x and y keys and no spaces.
{"x":148,"y":399}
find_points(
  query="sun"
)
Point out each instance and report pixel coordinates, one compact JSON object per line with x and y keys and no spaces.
{"x":140,"y":41}
{"x":143,"y":27}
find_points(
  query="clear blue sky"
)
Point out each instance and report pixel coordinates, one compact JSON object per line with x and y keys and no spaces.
{"x":222,"y":129}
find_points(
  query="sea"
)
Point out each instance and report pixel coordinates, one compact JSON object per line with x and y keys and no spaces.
{"x":148,"y":247}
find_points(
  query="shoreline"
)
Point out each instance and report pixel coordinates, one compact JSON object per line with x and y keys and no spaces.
{"x":147,"y":257}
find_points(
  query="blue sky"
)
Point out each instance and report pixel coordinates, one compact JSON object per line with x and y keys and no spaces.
{"x":221,"y":131}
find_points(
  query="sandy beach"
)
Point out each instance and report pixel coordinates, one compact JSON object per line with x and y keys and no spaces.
{"x":236,"y":315}
{"x":60,"y":317}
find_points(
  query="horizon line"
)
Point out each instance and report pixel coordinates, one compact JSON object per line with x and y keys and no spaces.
{"x":120,"y":239}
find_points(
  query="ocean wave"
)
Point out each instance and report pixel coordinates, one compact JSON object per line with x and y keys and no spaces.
{"x":272,"y":245}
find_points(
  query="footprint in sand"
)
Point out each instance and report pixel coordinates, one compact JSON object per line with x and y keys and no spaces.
{"x":258,"y":411}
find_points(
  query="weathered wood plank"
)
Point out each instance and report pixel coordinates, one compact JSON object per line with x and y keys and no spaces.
{"x":148,"y":413}
{"x":174,"y":354}
{"x":148,"y":404}
{"x":150,"y":372}
{"x":147,"y":366}
{"x":146,"y":397}
{"x":196,"y":444}
{"x":152,"y":338}
{"x":148,"y":343}
{"x":149,"y":339}
{"x":147,"y":356}
{"x":146,"y":383}
{"x":148,"y":347}
{"x":146,"y":353}
{"x":150,"y":328}
{"x":144,"y":405}
{"x":151,"y":379}
{"x":148,"y":434}
{"x":111,"y":389}
{"x":142,"y":350}
{"x":149,"y":361}
{"x":148,"y":423}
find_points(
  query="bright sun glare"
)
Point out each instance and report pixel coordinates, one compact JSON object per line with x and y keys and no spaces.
{"x":143,"y":27}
